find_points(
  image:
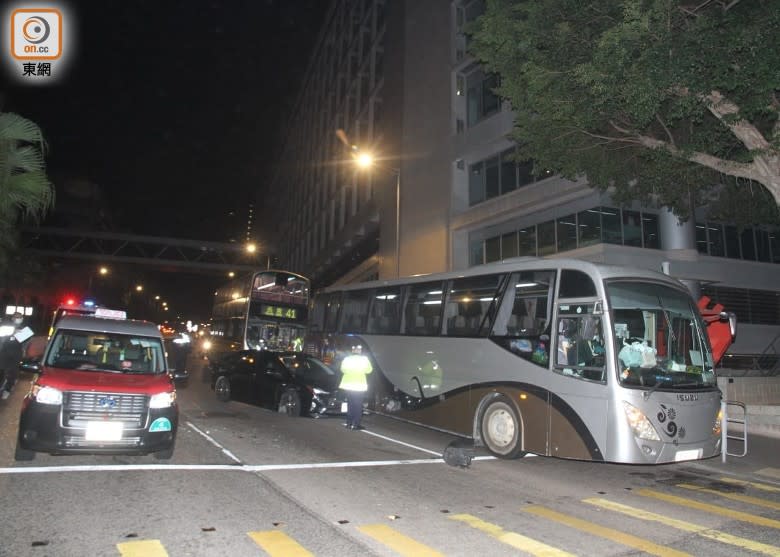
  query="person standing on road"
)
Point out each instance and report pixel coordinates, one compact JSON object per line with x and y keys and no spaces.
{"x":10,"y":357}
{"x":354,"y":369}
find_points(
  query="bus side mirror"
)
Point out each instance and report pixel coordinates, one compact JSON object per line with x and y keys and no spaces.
{"x":731,"y":317}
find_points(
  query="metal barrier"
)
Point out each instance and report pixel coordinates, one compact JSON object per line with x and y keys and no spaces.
{"x":724,"y":430}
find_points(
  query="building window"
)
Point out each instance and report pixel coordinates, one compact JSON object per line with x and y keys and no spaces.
{"x":500,"y":175}
{"x":526,"y":241}
{"x":567,"y":232}
{"x":481,"y":101}
{"x":546,"y":237}
{"x":751,"y":243}
{"x":493,"y":249}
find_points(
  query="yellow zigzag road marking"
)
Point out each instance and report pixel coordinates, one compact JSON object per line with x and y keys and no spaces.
{"x":714,"y":509}
{"x":734,"y":496}
{"x":142,"y":548}
{"x":278,"y":544}
{"x":703,"y":531}
{"x":763,"y":487}
{"x":608,"y":533}
{"x":398,"y":542}
{"x":513,"y":539}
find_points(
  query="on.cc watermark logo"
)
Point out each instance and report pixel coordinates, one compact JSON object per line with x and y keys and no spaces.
{"x":36,"y":34}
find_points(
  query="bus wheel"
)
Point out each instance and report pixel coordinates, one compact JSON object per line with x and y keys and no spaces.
{"x":290,"y":403}
{"x":222,"y":388}
{"x":500,"y":429}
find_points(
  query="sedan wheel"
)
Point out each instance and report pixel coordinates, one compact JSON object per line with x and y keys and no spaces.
{"x":222,"y":388}
{"x":290,"y":403}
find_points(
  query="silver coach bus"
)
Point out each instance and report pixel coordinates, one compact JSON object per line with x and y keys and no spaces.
{"x":554,"y":357}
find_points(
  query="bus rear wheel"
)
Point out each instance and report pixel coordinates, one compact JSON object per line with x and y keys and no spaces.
{"x":500,"y":429}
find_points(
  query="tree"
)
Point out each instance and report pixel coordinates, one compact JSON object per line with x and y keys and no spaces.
{"x":25,"y":190}
{"x":671,"y":100}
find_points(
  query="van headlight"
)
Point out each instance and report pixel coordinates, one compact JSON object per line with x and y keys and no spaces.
{"x":639,"y":423}
{"x":47,"y":395}
{"x":162,"y":400}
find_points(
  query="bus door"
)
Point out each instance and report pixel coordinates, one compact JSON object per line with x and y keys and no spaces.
{"x":578,"y":398}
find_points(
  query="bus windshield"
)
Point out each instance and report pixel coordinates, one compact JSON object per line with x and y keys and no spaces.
{"x":659,"y":337}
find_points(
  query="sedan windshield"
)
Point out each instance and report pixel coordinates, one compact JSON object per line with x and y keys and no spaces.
{"x":660,"y":337}
{"x":114,"y":352}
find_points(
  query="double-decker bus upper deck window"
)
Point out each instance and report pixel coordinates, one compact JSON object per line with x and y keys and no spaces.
{"x":423,"y":309}
{"x":471,"y":305}
{"x":355,"y":311}
{"x":576,"y":284}
{"x":385,"y":316}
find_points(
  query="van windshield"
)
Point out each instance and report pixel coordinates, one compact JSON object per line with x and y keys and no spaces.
{"x":100,"y":351}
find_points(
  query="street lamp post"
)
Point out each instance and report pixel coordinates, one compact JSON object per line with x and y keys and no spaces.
{"x":365,"y":159}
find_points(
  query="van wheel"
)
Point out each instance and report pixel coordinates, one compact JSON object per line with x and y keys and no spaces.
{"x":22,"y":454}
{"x":290,"y":403}
{"x":500,"y":429}
{"x":222,"y":388}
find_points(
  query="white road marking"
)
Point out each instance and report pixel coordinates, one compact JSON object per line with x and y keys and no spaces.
{"x":217,"y":467}
{"x":402,"y":443}
{"x":239,"y":466}
{"x":214,"y":442}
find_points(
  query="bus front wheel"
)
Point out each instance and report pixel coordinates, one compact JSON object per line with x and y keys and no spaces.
{"x":500,"y":429}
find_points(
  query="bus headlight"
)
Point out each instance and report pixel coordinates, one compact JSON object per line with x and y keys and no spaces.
{"x":718,"y":425}
{"x":47,"y":395}
{"x":162,"y":400}
{"x":639,"y":423}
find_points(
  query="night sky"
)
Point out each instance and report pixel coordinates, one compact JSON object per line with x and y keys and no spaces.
{"x":174,"y":109}
{"x":176,"y":101}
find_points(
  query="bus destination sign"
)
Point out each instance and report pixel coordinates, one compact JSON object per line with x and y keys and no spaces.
{"x":278,"y":311}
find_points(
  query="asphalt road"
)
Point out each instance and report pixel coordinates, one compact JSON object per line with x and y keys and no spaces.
{"x":248,"y":481}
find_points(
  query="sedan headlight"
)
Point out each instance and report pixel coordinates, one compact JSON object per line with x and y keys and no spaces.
{"x":162,"y":400}
{"x":639,"y":423}
{"x":47,"y":395}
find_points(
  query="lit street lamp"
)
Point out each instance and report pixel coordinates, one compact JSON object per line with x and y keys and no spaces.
{"x":366,"y":160}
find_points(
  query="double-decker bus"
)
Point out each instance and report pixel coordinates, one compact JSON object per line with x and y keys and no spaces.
{"x":257,"y":311}
{"x":555,"y":357}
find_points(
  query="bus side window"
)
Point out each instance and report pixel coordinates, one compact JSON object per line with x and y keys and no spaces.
{"x":580,"y":347}
{"x":385,"y":311}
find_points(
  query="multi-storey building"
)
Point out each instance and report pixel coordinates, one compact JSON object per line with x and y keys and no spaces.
{"x":397,"y":78}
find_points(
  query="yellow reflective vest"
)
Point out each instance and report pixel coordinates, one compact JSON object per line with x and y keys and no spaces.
{"x":354,"y":368}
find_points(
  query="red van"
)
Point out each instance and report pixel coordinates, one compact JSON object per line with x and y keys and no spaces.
{"x":103,"y":387}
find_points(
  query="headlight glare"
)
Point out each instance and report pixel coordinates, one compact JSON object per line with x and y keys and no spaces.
{"x":718,"y":425}
{"x":639,"y":423}
{"x":162,"y":400}
{"x":47,"y":395}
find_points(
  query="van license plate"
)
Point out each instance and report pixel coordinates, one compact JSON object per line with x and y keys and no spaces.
{"x":104,"y":431}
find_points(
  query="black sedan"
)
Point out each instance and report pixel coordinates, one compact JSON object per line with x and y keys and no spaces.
{"x":290,"y":382}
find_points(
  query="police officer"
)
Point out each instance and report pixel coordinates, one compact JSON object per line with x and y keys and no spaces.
{"x":10,"y":356}
{"x":354,"y":369}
